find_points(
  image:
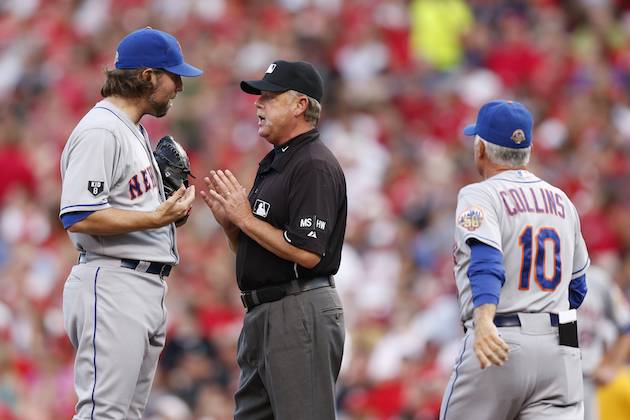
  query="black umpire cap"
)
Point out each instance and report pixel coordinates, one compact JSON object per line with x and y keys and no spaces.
{"x":282,"y":76}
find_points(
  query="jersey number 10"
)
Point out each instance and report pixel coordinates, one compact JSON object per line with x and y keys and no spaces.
{"x":536,"y":247}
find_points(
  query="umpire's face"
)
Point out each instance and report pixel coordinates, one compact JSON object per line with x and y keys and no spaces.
{"x":278,"y":115}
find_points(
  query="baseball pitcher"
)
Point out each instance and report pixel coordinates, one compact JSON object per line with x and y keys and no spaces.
{"x":114,"y":207}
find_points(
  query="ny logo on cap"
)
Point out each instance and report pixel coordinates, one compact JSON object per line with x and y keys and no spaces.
{"x":271,"y":68}
{"x":518,"y":136}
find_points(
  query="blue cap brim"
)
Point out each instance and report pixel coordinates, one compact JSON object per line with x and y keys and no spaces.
{"x":185,"y":70}
{"x":470,"y":130}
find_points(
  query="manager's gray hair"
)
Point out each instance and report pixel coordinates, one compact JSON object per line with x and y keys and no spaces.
{"x":506,"y":156}
{"x":313,"y":110}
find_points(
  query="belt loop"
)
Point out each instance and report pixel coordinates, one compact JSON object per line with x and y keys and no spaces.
{"x":143,"y":266}
{"x":254,"y":295}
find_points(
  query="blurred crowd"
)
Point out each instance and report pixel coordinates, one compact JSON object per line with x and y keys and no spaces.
{"x":403,"y":77}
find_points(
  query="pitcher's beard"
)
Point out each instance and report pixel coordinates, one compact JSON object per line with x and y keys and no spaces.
{"x":158,"y":109}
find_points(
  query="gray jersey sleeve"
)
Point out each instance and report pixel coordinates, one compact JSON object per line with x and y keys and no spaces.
{"x":476,"y":217}
{"x":581,"y":260}
{"x":89,"y":167}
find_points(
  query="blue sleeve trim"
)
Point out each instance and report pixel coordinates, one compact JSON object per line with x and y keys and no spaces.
{"x":70,"y":219}
{"x":625,"y":329}
{"x":577,"y":291}
{"x":486,"y":298}
{"x":486,"y":273}
{"x":85,"y":205}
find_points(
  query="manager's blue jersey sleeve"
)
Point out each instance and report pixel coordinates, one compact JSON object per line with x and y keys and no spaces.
{"x":577,"y":291}
{"x":486,"y":273}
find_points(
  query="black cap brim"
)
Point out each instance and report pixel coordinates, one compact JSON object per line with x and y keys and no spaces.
{"x":254,"y":87}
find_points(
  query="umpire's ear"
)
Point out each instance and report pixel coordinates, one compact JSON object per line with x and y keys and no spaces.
{"x":301,"y":105}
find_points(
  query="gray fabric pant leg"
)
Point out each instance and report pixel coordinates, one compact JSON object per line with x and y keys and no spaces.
{"x":290,"y":353}
{"x":540,"y":380}
{"x":116,"y":321}
{"x":591,"y":407}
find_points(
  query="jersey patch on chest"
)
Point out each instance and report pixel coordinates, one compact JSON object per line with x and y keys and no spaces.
{"x":95,"y":187}
{"x":470,"y":219}
{"x":261,"y":208}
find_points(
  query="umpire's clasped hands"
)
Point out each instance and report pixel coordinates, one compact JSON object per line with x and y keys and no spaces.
{"x":227,"y":199}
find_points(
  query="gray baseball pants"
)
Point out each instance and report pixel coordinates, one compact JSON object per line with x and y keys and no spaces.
{"x":541,"y":380}
{"x":591,"y":406}
{"x":116,"y":320}
{"x":290,"y":352}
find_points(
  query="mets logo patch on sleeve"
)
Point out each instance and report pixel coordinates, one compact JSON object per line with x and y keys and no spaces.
{"x":471,"y":219}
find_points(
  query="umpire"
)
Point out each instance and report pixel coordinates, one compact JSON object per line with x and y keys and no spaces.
{"x":287,"y":234}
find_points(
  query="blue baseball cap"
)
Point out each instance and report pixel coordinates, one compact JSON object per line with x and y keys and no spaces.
{"x":149,"y":47}
{"x":504,"y":123}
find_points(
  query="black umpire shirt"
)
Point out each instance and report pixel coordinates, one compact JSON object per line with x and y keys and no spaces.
{"x":300,"y":189}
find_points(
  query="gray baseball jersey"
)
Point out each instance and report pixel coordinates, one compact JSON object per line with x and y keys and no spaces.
{"x":114,"y":316}
{"x":108,"y":162}
{"x":603,"y":313}
{"x":603,"y":309}
{"x":537,"y":230}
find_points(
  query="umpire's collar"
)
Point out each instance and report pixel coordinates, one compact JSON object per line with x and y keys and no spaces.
{"x":280,"y":155}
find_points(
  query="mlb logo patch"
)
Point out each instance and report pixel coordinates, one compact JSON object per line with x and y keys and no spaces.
{"x":261,"y":208}
{"x":471,"y":219}
{"x":95,"y":187}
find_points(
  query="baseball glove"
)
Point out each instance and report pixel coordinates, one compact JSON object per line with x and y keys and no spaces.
{"x":173,"y":163}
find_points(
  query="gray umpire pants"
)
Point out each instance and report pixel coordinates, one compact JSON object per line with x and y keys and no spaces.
{"x":289,"y":353}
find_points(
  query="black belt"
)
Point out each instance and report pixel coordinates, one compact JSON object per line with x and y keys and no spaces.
{"x":147,"y":267}
{"x":252,"y":298}
{"x":512,"y":320}
{"x":567,"y":333}
{"x":143,"y":266}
